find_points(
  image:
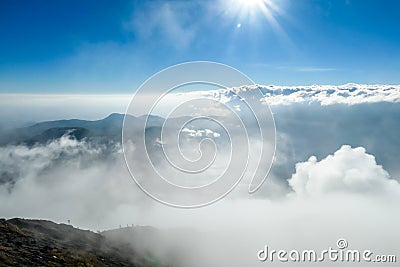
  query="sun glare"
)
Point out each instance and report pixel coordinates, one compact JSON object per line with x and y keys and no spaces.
{"x":262,"y":5}
{"x":253,"y":8}
{"x":252,"y":12}
{"x":250,"y":3}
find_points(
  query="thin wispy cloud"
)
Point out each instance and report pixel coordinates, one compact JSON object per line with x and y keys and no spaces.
{"x":314,"y":69}
{"x":169,"y":19}
{"x":304,"y":68}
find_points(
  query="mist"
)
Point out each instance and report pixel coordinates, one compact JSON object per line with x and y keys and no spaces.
{"x":335,"y":175}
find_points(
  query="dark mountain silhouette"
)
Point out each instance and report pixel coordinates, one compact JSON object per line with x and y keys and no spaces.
{"x":108,"y":128}
{"x":103,"y":130}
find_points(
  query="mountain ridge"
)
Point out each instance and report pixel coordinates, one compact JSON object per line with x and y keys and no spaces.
{"x":27,"y":242}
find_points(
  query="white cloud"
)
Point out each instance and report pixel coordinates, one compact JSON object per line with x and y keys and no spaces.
{"x":14,"y":107}
{"x":349,"y":94}
{"x":330,"y":94}
{"x":200,"y":133}
{"x":348,"y":170}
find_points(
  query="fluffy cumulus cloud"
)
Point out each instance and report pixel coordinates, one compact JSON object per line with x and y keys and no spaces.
{"x":345,"y":195}
{"x":348,"y":170}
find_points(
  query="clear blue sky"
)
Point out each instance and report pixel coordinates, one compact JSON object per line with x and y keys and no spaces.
{"x":113,"y":46}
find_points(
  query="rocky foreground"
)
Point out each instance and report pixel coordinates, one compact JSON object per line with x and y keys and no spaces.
{"x":45,"y":243}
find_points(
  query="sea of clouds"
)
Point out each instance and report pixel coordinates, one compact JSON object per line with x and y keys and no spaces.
{"x":335,"y":176}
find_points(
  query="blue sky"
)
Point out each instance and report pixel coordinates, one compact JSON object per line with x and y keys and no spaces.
{"x":113,"y":46}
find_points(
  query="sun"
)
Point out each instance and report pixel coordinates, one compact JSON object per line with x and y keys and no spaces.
{"x":251,"y":7}
{"x":250,"y":3}
{"x":253,"y":12}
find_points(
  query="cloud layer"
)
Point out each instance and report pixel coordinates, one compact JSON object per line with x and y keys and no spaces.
{"x":346,"y":191}
{"x":349,"y":94}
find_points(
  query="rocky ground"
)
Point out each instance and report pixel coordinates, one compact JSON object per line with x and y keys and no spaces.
{"x":45,"y":243}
